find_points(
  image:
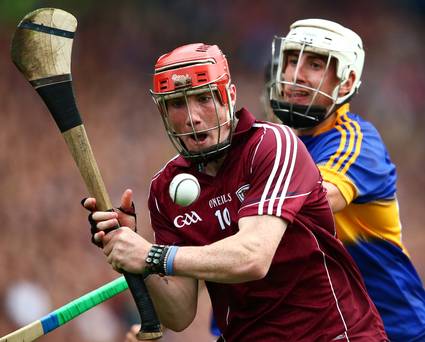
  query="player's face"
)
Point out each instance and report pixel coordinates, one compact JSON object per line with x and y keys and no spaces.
{"x":200,"y":120}
{"x":309,"y":71}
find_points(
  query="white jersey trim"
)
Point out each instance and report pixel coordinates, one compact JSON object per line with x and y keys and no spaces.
{"x":290,"y":153}
{"x":332,"y":289}
{"x":256,"y":149}
{"x":291,"y":170}
{"x":256,"y":203}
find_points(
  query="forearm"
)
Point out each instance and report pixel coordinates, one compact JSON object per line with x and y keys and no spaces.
{"x":175,"y":300}
{"x":235,"y":265}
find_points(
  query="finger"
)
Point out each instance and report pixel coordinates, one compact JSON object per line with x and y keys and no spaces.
{"x":127,"y":200}
{"x":89,"y":203}
{"x":99,"y":216}
{"x":99,"y":236}
{"x":107,"y":225}
{"x":106,"y":240}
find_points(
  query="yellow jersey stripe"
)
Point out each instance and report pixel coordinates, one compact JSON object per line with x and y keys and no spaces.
{"x":356,"y":153}
{"x":351,"y":139}
{"x":340,"y":147}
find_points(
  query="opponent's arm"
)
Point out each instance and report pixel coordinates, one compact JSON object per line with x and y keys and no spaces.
{"x":335,"y":198}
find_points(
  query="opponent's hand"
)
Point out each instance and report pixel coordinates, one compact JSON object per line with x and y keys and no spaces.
{"x":125,"y":249}
{"x":108,"y":220}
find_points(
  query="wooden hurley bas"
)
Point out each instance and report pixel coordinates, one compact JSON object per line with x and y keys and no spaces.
{"x":41,"y":50}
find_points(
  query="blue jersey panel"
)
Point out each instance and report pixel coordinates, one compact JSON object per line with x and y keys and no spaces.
{"x":394,"y":286}
{"x":354,"y":148}
{"x":352,"y":156}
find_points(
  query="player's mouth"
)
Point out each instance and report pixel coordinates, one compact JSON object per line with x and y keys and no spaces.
{"x":297,"y":96}
{"x":198,"y":138}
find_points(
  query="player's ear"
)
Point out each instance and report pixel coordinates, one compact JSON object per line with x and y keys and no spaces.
{"x":232,"y":91}
{"x":347,"y":85}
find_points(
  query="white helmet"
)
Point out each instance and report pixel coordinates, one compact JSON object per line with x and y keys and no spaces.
{"x":325,"y":38}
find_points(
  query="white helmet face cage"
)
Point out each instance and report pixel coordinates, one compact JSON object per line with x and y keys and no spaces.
{"x":222,"y":143}
{"x":324,"y":38}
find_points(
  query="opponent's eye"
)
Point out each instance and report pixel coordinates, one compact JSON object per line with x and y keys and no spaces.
{"x":292,"y":60}
{"x":317,"y":64}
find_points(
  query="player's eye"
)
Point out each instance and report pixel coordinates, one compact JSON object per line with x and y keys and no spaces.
{"x":317,"y":64}
{"x":292,"y":60}
{"x":176,"y":103}
{"x":205,"y":98}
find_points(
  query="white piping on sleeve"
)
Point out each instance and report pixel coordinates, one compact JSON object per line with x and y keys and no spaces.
{"x":291,"y":170}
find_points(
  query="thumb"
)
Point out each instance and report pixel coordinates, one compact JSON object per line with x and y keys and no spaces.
{"x":127,"y":200}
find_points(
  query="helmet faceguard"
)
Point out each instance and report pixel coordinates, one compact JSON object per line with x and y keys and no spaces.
{"x":195,"y":69}
{"x":324,"y":38}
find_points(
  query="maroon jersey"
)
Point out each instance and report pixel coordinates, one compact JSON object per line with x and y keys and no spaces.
{"x":313,"y":291}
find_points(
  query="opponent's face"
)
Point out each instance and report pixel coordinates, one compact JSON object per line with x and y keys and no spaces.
{"x":200,"y":120}
{"x":308,"y":72}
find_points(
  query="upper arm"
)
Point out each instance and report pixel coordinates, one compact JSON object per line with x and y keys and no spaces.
{"x":260,"y":236}
{"x":336,"y":199}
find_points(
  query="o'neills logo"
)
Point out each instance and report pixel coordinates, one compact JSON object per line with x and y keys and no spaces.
{"x":220,"y":200}
{"x":186,"y":219}
{"x":181,"y":80}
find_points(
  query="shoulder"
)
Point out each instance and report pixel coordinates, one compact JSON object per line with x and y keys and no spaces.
{"x":356,"y":130}
{"x":270,"y":134}
{"x":280,"y":139}
{"x":359,"y":140}
{"x":277,"y":150}
{"x":349,"y":139}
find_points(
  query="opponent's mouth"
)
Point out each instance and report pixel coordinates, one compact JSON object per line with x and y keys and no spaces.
{"x":297,"y":94}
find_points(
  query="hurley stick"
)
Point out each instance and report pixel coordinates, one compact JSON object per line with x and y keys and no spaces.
{"x":41,"y":50}
{"x":66,"y":313}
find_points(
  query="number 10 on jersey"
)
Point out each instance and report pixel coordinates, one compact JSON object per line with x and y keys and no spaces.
{"x":223,"y":217}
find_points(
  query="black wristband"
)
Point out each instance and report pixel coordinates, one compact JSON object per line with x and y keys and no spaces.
{"x":156,"y":261}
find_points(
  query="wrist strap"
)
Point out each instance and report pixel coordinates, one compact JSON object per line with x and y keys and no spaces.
{"x":155,"y":261}
{"x":160,"y":259}
{"x":169,"y":260}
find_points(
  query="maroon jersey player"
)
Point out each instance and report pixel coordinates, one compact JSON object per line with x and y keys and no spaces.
{"x":261,"y":233}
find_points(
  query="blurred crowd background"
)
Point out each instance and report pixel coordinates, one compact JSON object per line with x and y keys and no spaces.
{"x":46,"y":258}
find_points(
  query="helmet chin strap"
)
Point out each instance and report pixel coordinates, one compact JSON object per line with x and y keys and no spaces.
{"x":213,"y":153}
{"x":298,"y":116}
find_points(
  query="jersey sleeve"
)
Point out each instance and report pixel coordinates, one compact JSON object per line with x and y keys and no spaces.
{"x":281,"y":175}
{"x":355,"y":160}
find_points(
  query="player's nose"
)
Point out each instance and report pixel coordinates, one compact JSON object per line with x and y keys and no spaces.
{"x":194,"y":116}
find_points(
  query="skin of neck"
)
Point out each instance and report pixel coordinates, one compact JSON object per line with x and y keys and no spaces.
{"x":212,"y":167}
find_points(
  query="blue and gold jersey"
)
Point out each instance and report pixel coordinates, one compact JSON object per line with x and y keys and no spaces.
{"x":351,"y":155}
